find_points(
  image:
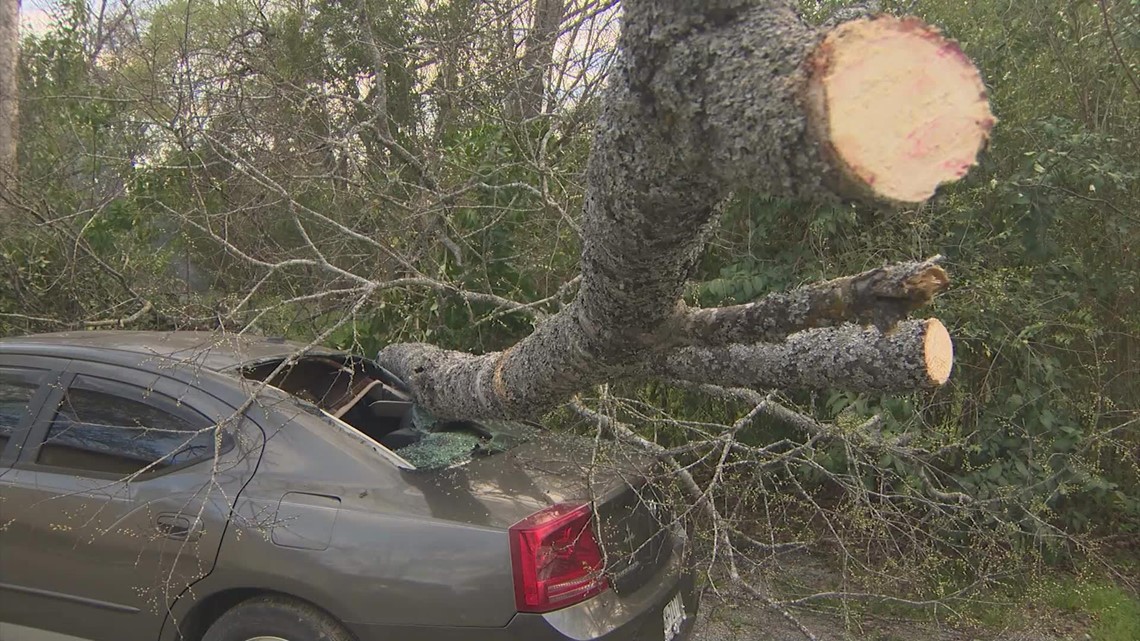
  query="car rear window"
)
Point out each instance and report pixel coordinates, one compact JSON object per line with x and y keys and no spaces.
{"x":440,"y":444}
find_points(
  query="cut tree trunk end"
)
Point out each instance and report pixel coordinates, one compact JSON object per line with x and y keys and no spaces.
{"x":899,"y":108}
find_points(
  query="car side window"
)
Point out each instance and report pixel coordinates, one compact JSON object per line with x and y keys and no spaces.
{"x":16,"y":391}
{"x":119,"y":430}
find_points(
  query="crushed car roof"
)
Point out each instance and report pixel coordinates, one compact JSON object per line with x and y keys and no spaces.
{"x":216,"y":351}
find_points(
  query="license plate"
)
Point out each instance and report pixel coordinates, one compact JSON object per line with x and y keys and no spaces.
{"x":674,"y":616}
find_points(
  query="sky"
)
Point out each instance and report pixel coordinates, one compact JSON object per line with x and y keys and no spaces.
{"x":34,"y":15}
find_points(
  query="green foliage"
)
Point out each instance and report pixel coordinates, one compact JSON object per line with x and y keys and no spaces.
{"x":1116,"y":613}
{"x":77,"y":148}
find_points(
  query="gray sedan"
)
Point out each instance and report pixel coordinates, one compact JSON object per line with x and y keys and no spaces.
{"x":205,"y":487}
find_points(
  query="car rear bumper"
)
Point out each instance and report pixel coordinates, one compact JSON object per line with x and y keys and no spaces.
{"x":637,"y":616}
{"x":634,"y":617}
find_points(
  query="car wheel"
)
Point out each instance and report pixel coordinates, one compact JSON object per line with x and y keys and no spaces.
{"x":276,"y":619}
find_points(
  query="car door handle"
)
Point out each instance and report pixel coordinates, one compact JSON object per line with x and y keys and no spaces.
{"x":177,"y":527}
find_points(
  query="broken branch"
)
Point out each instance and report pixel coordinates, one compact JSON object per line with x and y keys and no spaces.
{"x":881,"y":297}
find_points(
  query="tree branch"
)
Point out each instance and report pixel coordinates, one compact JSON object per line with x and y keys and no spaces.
{"x":880,"y":297}
{"x":915,"y":355}
{"x":701,"y":498}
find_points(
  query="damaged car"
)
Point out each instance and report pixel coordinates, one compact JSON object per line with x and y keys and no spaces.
{"x":207,"y":487}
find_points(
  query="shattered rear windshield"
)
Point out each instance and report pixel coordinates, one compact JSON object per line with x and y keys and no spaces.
{"x":437,"y":444}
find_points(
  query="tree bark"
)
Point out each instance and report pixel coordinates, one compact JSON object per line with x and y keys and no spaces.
{"x":9,"y":102}
{"x":708,"y":97}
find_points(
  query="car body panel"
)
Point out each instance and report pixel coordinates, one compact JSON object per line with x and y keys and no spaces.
{"x":116,"y":577}
{"x":635,"y":616}
{"x":384,"y":528}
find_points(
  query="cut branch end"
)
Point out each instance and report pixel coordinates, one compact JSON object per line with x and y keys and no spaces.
{"x":938,"y":350}
{"x":926,"y":284}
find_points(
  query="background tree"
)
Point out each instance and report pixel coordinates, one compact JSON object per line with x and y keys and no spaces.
{"x":9,"y":98}
{"x":545,"y":26}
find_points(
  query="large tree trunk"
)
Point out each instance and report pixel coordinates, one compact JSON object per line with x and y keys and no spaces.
{"x":710,"y":96}
{"x":9,"y":101}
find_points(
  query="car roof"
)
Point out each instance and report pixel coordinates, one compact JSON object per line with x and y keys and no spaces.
{"x":217,"y":351}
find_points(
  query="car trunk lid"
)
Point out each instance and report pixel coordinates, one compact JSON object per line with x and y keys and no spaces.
{"x":631,"y":519}
{"x":634,"y":535}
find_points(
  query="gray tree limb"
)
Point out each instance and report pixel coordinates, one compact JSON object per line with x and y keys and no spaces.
{"x":914,"y":355}
{"x":880,"y":297}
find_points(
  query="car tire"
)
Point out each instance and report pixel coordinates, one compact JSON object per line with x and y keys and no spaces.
{"x":276,"y":618}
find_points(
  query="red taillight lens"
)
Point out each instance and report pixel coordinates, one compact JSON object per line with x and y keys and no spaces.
{"x":556,"y":558}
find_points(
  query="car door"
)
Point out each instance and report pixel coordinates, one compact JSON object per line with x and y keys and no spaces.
{"x":25,"y":383}
{"x":117,"y":503}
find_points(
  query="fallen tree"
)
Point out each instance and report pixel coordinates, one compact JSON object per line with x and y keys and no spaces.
{"x":710,"y":97}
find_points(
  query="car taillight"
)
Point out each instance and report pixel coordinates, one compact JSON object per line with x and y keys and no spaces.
{"x":556,"y":558}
